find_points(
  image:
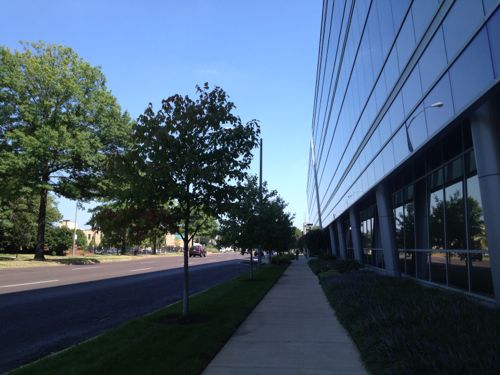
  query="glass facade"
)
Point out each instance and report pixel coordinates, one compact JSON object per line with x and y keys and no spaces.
{"x":396,"y":82}
{"x":457,"y":252}
{"x":381,"y":64}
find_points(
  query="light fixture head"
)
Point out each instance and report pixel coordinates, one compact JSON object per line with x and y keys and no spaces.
{"x":437,"y":105}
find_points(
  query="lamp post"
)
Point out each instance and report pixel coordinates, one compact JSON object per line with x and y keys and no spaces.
{"x":408,"y":123}
{"x":316,"y":183}
{"x":259,"y":257}
{"x":74,"y":230}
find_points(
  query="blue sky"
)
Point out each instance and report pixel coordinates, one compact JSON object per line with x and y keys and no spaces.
{"x":263,"y":53}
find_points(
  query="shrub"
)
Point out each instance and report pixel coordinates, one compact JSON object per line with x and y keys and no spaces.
{"x":319,"y":265}
{"x":401,"y":327}
{"x":327,"y":274}
{"x":326,"y":256}
{"x":323,"y":265}
{"x":347,"y":266}
{"x":280,"y":259}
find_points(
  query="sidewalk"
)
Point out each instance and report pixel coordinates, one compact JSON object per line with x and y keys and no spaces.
{"x":293,"y":330}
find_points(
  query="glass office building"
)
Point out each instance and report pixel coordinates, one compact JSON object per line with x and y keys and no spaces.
{"x":404,"y":165}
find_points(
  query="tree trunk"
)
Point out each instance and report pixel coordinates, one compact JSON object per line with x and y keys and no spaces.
{"x":185,"y":294}
{"x":154,"y":244}
{"x":124,"y":245}
{"x":41,"y":223}
{"x":251,"y":264}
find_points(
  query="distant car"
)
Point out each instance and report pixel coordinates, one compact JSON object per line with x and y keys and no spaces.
{"x":197,"y":250}
{"x":225,"y":250}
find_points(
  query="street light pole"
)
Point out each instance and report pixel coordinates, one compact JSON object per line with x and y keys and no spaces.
{"x":408,"y":123}
{"x":260,"y":199}
{"x":316,"y":183}
{"x":74,"y":230}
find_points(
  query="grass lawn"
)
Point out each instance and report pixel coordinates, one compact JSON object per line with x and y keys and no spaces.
{"x":159,"y":343}
{"x":401,"y":327}
{"x":26,"y":260}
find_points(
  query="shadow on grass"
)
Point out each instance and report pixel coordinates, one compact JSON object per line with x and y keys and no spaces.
{"x":67,"y":261}
{"x":74,"y":261}
{"x":3,"y":258}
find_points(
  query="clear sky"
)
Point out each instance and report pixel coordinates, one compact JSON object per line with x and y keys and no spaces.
{"x":262,"y":52}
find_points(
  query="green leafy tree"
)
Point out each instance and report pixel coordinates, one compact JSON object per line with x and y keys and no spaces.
{"x":59,"y":239}
{"x":208,"y":230}
{"x":317,"y":241}
{"x":123,"y":225}
{"x":297,"y":233}
{"x":190,"y":153}
{"x":276,"y":226}
{"x":151,"y":222}
{"x":241,"y":226}
{"x":81,"y":239}
{"x":115,"y":221}
{"x":58,"y":126}
{"x":18,"y":221}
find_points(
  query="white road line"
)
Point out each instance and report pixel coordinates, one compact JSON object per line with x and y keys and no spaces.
{"x":141,"y":269}
{"x":36,"y":282}
{"x":146,"y":262}
{"x":84,"y":268}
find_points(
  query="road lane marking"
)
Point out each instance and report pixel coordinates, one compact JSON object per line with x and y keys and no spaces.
{"x":84,"y":268}
{"x":141,"y":269}
{"x":36,"y":282}
{"x":146,"y":262}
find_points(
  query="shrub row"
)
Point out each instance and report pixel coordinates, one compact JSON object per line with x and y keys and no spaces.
{"x":401,"y":327}
{"x":319,"y":265}
{"x":282,"y":259}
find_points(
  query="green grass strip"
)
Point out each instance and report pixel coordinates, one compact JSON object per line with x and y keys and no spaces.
{"x":401,"y":327}
{"x":158,"y":344}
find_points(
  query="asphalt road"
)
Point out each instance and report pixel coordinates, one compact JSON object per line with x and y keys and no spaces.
{"x":46,"y":309}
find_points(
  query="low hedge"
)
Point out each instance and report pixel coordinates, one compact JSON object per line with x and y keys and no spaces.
{"x":402,"y":327}
{"x":282,"y":259}
{"x":322,"y":265}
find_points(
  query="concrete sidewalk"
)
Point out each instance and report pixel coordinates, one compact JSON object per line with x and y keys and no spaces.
{"x":292,"y":331}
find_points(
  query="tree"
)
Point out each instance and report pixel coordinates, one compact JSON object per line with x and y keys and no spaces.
{"x":58,"y":125}
{"x":317,"y":241}
{"x":18,"y":221}
{"x":258,"y":218}
{"x":208,"y":231}
{"x":151,"y":222}
{"x":59,"y":239}
{"x":276,"y":226}
{"x":241,"y":226}
{"x":81,"y":239}
{"x":191,"y":153}
{"x":127,"y":224}
{"x":297,"y":234}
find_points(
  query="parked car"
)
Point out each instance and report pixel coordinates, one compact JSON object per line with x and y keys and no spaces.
{"x":197,"y":250}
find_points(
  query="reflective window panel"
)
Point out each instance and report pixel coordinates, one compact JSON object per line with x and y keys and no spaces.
{"x":472,"y":72}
